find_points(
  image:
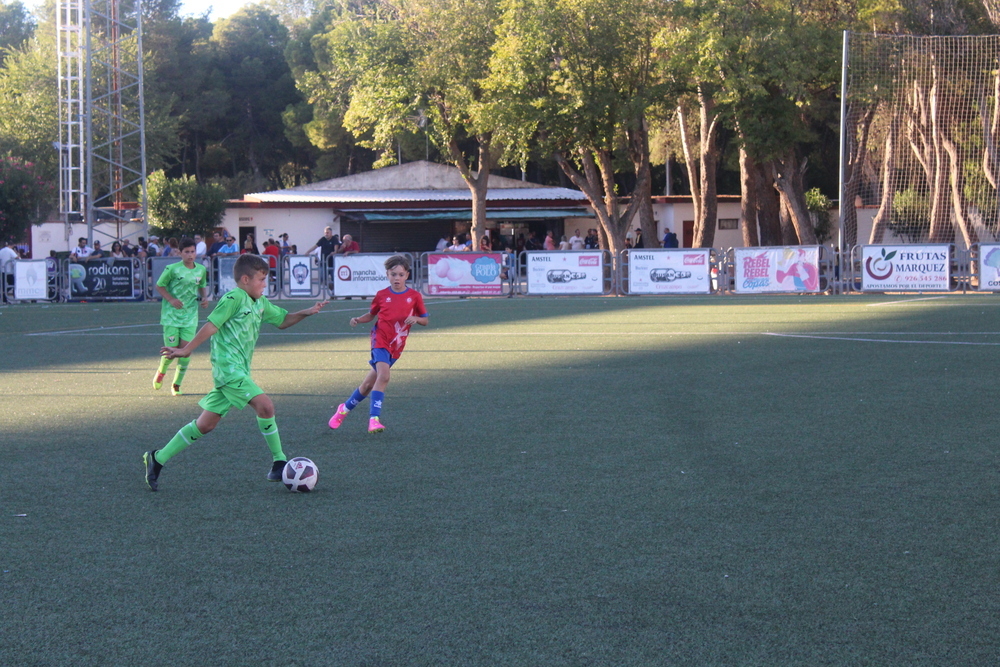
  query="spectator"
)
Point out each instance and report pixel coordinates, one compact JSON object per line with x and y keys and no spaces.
{"x":669,"y":239}
{"x":285,"y":248}
{"x":127,"y":248}
{"x":272,"y":252}
{"x":442,"y":244}
{"x":520,"y":244}
{"x":550,"y":242}
{"x":97,"y":253}
{"x":563,"y":243}
{"x":456,"y":245}
{"x":575,"y":242}
{"x":231,"y":248}
{"x":199,"y":246}
{"x":152,"y":248}
{"x":171,"y":248}
{"x":294,"y":250}
{"x":249,"y":246}
{"x":81,"y":251}
{"x":217,"y":243}
{"x":484,"y":244}
{"x":8,"y":254}
{"x":328,"y":244}
{"x":591,"y":242}
{"x":349,"y":246}
{"x":116,"y":250}
{"x":142,"y":252}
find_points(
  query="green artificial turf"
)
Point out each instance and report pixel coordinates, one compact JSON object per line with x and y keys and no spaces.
{"x":566,"y":481}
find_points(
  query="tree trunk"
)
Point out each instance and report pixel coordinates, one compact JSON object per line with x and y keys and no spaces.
{"x":478,"y":183}
{"x":857,"y":128}
{"x":638,"y":137}
{"x":748,"y":199}
{"x":789,"y":177}
{"x":788,"y":235}
{"x":704,"y":225}
{"x":959,"y":204}
{"x":942,"y":230}
{"x":881,"y":220}
{"x":768,"y":207}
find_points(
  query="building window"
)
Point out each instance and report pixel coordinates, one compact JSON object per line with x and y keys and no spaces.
{"x":729,"y":223}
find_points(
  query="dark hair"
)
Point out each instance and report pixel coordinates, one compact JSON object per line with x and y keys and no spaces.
{"x":187,"y":243}
{"x":397,"y":260}
{"x":248,"y":265}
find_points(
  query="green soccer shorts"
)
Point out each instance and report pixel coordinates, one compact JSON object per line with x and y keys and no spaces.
{"x":172,"y":336}
{"x":233,"y":395}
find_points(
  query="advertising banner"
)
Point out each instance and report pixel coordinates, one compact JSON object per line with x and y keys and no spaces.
{"x":103,"y":279}
{"x":225,"y":280}
{"x":989,"y":267}
{"x":300,"y":282}
{"x":787,"y":269}
{"x":896,"y":268}
{"x":565,"y":272}
{"x":464,"y":273}
{"x":30,"y":280}
{"x":359,"y":275}
{"x":669,"y":271}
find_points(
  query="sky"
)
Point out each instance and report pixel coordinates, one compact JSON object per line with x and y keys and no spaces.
{"x":220,"y":8}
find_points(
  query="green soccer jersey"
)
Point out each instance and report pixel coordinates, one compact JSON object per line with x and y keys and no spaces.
{"x":238,"y":318}
{"x":183,"y":284}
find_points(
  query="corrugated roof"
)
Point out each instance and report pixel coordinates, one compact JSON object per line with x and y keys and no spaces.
{"x":334,"y":197}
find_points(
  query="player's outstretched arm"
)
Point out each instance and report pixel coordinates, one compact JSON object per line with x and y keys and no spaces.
{"x":364,"y":319}
{"x":295,"y":318}
{"x":413,"y":319}
{"x":206,"y":332}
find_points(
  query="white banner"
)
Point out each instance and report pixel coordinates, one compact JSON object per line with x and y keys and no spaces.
{"x":989,"y":267}
{"x":300,"y":275}
{"x":896,"y":268}
{"x":30,"y":280}
{"x":359,"y":275}
{"x":565,"y":272}
{"x":464,"y":273}
{"x":669,"y":271}
{"x":782,"y":269}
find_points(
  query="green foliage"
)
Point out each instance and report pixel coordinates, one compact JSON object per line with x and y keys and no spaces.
{"x":818,"y":205}
{"x":23,"y":196}
{"x":28,"y":112}
{"x":182,"y":206}
{"x":910,"y":216}
{"x":16,"y":27}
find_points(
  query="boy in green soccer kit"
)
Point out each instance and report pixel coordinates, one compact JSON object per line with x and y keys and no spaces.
{"x":182,"y":285}
{"x":233,"y":327}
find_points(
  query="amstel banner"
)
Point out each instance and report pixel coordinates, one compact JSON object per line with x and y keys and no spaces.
{"x":783,"y":269}
{"x":565,"y":272}
{"x":669,"y":271}
{"x":464,"y":273}
{"x":895,"y":268}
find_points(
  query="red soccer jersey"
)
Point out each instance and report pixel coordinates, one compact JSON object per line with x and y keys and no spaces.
{"x":392,"y":309}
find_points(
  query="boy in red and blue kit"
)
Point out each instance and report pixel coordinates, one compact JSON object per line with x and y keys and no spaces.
{"x":397,"y":308}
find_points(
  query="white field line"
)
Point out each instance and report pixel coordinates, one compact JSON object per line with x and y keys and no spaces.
{"x":902,"y":301}
{"x":879,"y":340}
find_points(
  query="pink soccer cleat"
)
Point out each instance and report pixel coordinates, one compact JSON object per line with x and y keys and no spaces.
{"x":338,"y":417}
{"x":375,"y":426}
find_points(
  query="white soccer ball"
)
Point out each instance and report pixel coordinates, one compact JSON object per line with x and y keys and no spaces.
{"x":300,"y":475}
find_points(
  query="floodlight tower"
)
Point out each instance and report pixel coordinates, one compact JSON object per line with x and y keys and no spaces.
{"x":102,"y":137}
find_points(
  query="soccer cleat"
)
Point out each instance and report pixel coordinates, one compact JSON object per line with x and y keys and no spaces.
{"x":158,"y":380}
{"x":276,"y":468}
{"x":375,"y":426}
{"x":175,"y":389}
{"x":338,"y":417}
{"x":152,"y":469}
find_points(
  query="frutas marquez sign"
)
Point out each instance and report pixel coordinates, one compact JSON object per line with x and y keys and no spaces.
{"x":905,"y":268}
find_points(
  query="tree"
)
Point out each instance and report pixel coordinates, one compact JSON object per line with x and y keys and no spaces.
{"x":16,"y":27}
{"x":575,"y":77}
{"x":23,"y":197}
{"x":389,"y":64}
{"x":182,"y":205}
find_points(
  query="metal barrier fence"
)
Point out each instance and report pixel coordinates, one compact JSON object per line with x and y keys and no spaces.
{"x":634,"y":272}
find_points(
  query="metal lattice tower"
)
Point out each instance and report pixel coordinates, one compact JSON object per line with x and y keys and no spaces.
{"x":102,"y":144}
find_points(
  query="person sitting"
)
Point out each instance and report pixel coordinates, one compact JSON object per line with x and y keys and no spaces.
{"x":349,"y":246}
{"x":485,"y":245}
{"x":456,"y":245}
{"x":230,"y":249}
{"x":81,"y":251}
{"x":98,"y":253}
{"x":116,"y":250}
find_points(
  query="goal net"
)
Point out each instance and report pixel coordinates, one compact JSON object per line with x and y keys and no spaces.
{"x":920,"y":150}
